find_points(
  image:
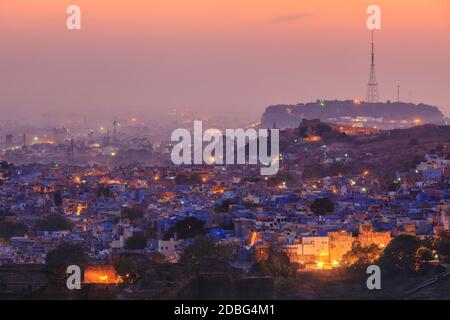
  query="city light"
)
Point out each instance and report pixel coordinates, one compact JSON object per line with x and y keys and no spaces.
{"x":308,"y":183}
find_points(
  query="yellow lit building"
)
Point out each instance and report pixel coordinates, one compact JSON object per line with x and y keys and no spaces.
{"x":73,"y":206}
{"x":339,"y":244}
{"x":368,"y":237}
{"x":105,"y":274}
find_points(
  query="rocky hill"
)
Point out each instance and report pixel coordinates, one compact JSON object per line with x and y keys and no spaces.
{"x":290,"y":116}
{"x":384,"y":153}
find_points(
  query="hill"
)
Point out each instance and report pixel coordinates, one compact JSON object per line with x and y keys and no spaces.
{"x":384,"y":115}
{"x":383,"y":154}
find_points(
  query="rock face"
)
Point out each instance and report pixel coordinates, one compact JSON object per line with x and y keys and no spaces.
{"x":386,"y":114}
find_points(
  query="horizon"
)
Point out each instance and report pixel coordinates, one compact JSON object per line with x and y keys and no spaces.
{"x":221,"y":59}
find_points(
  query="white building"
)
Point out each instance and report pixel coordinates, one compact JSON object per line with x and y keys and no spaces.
{"x":170,"y":249}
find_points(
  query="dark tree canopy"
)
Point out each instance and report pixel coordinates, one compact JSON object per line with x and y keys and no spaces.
{"x":127,"y":268}
{"x":224,"y":206}
{"x":204,"y":253}
{"x":362,"y":256}
{"x":322,"y":206}
{"x":136,"y":242}
{"x":187,"y":228}
{"x":276,"y":265}
{"x":132,"y":213}
{"x":402,"y":254}
{"x":104,"y":191}
{"x":63,"y":256}
{"x":442,"y":246}
{"x":57,"y":198}
{"x":183,"y":178}
{"x":282,"y":178}
{"x":12,"y":229}
{"x":54,"y":222}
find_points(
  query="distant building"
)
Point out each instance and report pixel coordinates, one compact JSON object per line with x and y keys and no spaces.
{"x":315,"y":248}
{"x":367,"y":236}
{"x":9,"y":140}
{"x":340,"y":243}
{"x":170,"y":249}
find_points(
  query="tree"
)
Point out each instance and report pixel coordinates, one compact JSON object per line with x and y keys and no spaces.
{"x":322,"y":206}
{"x":136,"y":242}
{"x":61,"y":257}
{"x":282,"y":178}
{"x":361,"y":256}
{"x":12,"y":229}
{"x":189,"y":227}
{"x":54,"y":222}
{"x":204,"y":253}
{"x":57,"y":198}
{"x":132,"y":213}
{"x":104,"y":191}
{"x":183,"y":178}
{"x":276,"y":265}
{"x":442,"y":247}
{"x":224,"y":206}
{"x":394,"y":185}
{"x":403,"y":255}
{"x":250,"y":204}
{"x":424,"y":254}
{"x":127,"y":268}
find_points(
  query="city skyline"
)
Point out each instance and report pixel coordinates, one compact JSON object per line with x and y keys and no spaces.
{"x":225,"y":151}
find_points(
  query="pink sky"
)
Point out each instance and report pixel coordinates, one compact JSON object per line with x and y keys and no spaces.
{"x":217,"y":56}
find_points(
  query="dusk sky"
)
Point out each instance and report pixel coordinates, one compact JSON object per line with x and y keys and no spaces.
{"x":216,"y":56}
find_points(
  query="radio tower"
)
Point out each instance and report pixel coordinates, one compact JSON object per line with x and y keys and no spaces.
{"x":372,"y":86}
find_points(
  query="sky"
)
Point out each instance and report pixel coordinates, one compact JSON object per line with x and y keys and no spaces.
{"x":216,"y":57}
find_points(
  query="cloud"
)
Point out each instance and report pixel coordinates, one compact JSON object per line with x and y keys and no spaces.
{"x":292,"y":17}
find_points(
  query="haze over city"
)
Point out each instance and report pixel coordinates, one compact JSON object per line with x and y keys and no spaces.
{"x":224,"y":150}
{"x":215,"y":57}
